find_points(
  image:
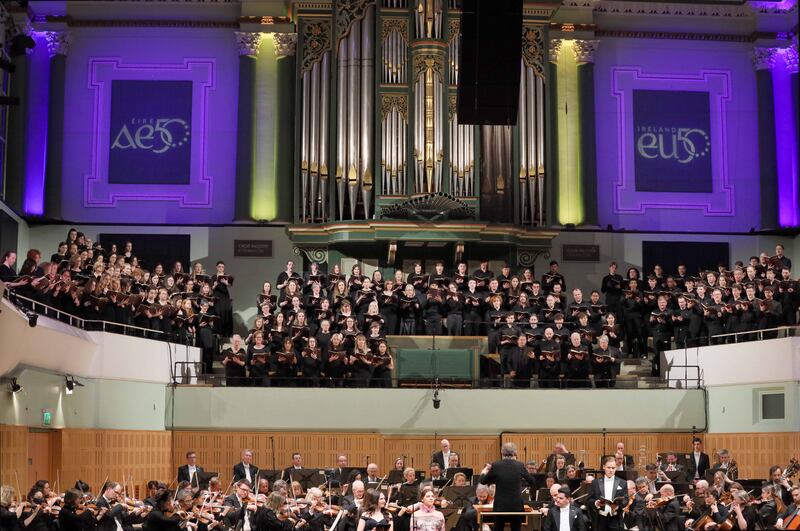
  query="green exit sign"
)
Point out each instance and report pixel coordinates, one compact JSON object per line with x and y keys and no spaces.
{"x":47,"y":417}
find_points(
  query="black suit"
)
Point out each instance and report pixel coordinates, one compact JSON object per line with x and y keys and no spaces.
{"x":507,"y":476}
{"x":183,"y":475}
{"x":670,"y":516}
{"x":699,"y":467}
{"x":238,"y":473}
{"x":108,"y":521}
{"x":438,"y":457}
{"x":597,"y":491}
{"x":553,"y":520}
{"x":235,"y":517}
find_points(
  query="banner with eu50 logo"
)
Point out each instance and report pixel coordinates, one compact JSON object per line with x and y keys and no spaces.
{"x":150,"y":136}
{"x":672,"y":143}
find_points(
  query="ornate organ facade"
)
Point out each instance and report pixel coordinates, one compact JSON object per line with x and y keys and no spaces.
{"x":378,"y":125}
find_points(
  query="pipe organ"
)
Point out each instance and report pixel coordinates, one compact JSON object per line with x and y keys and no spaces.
{"x":378,"y":123}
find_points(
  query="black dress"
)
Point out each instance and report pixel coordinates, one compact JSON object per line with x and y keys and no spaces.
{"x":8,"y":519}
{"x":158,"y":521}
{"x":69,"y":520}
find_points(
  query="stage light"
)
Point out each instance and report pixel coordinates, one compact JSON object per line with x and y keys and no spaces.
{"x":71,"y":383}
{"x":437,"y":403}
{"x":14,"y":387}
{"x":33,"y":317}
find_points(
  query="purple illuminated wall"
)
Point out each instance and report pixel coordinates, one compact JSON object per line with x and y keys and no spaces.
{"x":725,"y":71}
{"x":208,"y":57}
{"x":36,"y":134}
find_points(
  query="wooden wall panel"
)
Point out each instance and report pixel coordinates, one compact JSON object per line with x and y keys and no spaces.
{"x":756,"y":452}
{"x":13,"y":455}
{"x":473,"y":451}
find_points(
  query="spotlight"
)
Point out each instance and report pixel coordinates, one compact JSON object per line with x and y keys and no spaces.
{"x":14,"y":387}
{"x":33,"y":317}
{"x":436,"y":401}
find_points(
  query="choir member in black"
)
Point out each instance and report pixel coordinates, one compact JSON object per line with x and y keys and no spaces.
{"x":7,"y":273}
{"x":387,"y":302}
{"x":286,"y":297}
{"x":494,"y":291}
{"x":284,"y":276}
{"x":433,"y":310}
{"x":472,"y":309}
{"x":323,"y":313}
{"x":258,"y":356}
{"x":284,"y":365}
{"x":549,"y":361}
{"x":311,"y":363}
{"x":258,"y":326}
{"x":363,"y":297}
{"x":313,"y":276}
{"x":634,"y":325}
{"x":224,"y":308}
{"x":73,"y":515}
{"x":550,"y":310}
{"x":234,"y":359}
{"x":360,"y":362}
{"x":613,"y":330}
{"x":495,"y":318}
{"x":408,"y":311}
{"x":561,"y":334}
{"x":661,"y":329}
{"x":334,"y":365}
{"x":375,"y":336}
{"x":553,"y":277}
{"x":577,"y":306}
{"x":300,"y":332}
{"x":356,"y":281}
{"x":372,"y":317}
{"x":349,"y":331}
{"x":279,"y":331}
{"x":597,"y":312}
{"x":205,"y":335}
{"x":577,"y":366}
{"x":483,"y":274}
{"x":454,"y":308}
{"x":680,"y":322}
{"x":266,"y":298}
{"x":509,"y":333}
{"x":323,"y":336}
{"x":611,"y":285}
{"x":9,"y":514}
{"x":771,"y":312}
{"x":714,"y":317}
{"x":789,"y":296}
{"x":517,"y":363}
{"x":382,"y":366}
{"x":604,"y":359}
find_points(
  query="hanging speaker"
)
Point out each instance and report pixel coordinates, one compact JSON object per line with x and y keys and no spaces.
{"x":491,"y":49}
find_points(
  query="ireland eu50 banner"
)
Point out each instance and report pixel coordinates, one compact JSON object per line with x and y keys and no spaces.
{"x":151,"y":124}
{"x":672,"y":142}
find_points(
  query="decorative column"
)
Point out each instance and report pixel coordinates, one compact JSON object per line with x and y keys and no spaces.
{"x":17,"y":131}
{"x":58,"y":43}
{"x":248,"y":44}
{"x":790,"y":58}
{"x":552,"y":140}
{"x":584,"y":56}
{"x":285,"y":52}
{"x":763,"y":60}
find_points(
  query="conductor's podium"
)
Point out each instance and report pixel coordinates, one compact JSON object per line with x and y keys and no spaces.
{"x":532,"y":519}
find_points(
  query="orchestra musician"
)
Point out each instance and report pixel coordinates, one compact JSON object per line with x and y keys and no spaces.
{"x":564,"y":515}
{"x":699,"y":462}
{"x":667,"y":509}
{"x":245,"y":469}
{"x":189,"y":472}
{"x":792,"y":510}
{"x":244,"y":507}
{"x":607,"y":494}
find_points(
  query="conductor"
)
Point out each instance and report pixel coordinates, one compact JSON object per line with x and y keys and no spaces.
{"x":507,"y":476}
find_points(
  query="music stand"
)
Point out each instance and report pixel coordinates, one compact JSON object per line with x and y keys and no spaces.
{"x":439,"y":483}
{"x":678,"y":476}
{"x":395,"y":477}
{"x":270,"y":475}
{"x":349,"y":474}
{"x":450,"y":472}
{"x":458,"y":497}
{"x":408,"y":494}
{"x":204,"y":477}
{"x":308,"y":477}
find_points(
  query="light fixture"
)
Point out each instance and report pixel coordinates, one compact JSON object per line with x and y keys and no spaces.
{"x":33,"y":317}
{"x":71,"y":383}
{"x":14,"y":387}
{"x":437,"y":403}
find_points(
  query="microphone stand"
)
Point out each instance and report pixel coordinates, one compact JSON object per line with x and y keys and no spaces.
{"x":272,"y":445}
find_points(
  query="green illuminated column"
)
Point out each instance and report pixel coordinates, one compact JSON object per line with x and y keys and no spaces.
{"x":248,"y":44}
{"x":283,"y":182}
{"x":763,"y":60}
{"x":551,"y":189}
{"x":57,"y":45}
{"x":584,"y":55}
{"x":569,"y":138}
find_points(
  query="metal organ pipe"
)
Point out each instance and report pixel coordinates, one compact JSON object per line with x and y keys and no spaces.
{"x":367,"y":77}
{"x":341,"y":125}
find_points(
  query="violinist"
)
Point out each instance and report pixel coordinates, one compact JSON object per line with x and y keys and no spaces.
{"x":241,"y":516}
{"x":767,"y":508}
{"x":38,"y":514}
{"x":353,"y":504}
{"x":153,"y":487}
{"x":274,"y":515}
{"x":468,"y":521}
{"x":317,"y":514}
{"x":667,"y":509}
{"x":10,"y":513}
{"x":745,"y":514}
{"x":633,"y":512}
{"x":792,"y":512}
{"x":714,"y":515}
{"x":164,"y":516}
{"x":75,"y":515}
{"x":374,"y":515}
{"x":115,"y":517}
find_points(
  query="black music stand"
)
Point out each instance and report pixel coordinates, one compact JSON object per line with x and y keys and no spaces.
{"x":458,"y":497}
{"x":270,"y":475}
{"x":308,"y":477}
{"x":204,"y":477}
{"x":395,"y":477}
{"x":450,"y":472}
{"x":349,"y":474}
